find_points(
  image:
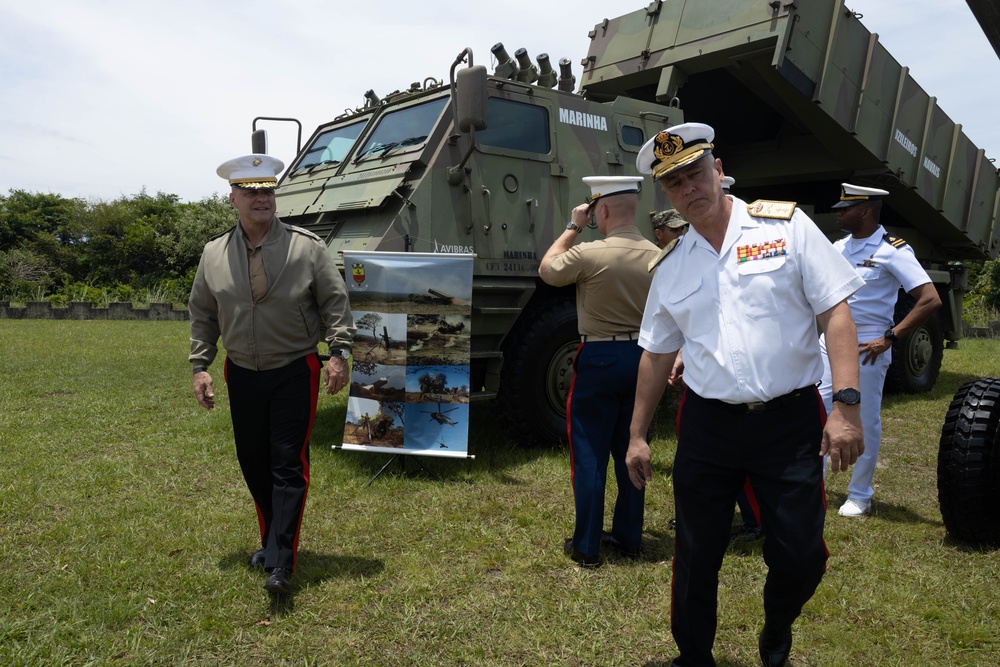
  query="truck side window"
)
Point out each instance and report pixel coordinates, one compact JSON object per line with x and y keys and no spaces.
{"x":517,"y":126}
{"x":632,"y":136}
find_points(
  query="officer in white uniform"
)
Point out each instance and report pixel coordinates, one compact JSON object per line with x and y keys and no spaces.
{"x":741,"y":292}
{"x":886,"y":263}
{"x":747,"y":502}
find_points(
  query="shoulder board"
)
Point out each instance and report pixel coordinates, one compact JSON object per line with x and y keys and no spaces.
{"x":221,"y":234}
{"x":894,"y":241}
{"x":667,"y":249}
{"x":766,"y":208}
{"x":304,"y":232}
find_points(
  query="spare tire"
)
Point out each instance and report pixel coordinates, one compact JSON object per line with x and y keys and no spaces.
{"x":968,"y":470}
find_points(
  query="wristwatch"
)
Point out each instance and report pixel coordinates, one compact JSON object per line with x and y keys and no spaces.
{"x":575,"y":227}
{"x":848,"y":396}
{"x":199,"y":369}
{"x":341,"y":352}
{"x":890,"y":335}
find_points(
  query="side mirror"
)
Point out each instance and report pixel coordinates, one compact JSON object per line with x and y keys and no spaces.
{"x":470,"y":98}
{"x":258,"y":142}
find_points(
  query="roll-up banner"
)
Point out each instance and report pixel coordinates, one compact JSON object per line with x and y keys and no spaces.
{"x":410,"y":381}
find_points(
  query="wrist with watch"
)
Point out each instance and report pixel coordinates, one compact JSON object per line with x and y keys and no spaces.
{"x":575,"y":227}
{"x":890,"y":335}
{"x":848,"y":396}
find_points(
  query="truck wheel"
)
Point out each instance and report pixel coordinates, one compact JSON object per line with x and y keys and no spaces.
{"x":537,"y":373}
{"x":916,"y":357}
{"x":968,"y":470}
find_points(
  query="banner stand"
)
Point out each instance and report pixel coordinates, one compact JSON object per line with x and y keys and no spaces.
{"x":402,"y":467}
{"x":411,"y":378}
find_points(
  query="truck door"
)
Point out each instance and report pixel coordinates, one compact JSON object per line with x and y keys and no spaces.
{"x":515,"y":199}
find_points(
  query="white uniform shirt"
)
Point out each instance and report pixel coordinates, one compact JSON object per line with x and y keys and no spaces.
{"x":885,"y":269}
{"x":748,"y":327}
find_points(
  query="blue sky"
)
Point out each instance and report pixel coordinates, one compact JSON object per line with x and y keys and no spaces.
{"x":102,"y":98}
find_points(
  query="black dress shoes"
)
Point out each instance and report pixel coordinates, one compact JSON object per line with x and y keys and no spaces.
{"x":584,"y":561}
{"x":748,"y":534}
{"x":257,"y":560}
{"x":279,"y":581}
{"x":775,"y":644}
{"x":609,"y":540}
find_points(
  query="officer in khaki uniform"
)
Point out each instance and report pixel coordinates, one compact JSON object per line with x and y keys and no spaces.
{"x":742,"y":291}
{"x":271,"y":291}
{"x":611,"y":284}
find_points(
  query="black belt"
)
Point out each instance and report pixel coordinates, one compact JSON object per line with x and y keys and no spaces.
{"x":758,"y":407}
{"x":609,"y":339}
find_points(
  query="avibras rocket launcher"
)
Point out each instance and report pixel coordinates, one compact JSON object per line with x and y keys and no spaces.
{"x":802,"y":97}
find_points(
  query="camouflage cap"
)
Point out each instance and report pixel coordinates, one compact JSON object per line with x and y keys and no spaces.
{"x":669,"y":218}
{"x":253,"y":172}
{"x":674,"y":148}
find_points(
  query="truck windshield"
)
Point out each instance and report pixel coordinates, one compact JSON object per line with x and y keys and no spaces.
{"x":331,"y":146}
{"x":406,"y":127}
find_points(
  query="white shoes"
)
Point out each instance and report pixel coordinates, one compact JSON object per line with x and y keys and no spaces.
{"x":854,"y":508}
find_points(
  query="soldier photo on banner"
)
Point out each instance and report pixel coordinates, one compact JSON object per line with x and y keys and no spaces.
{"x":410,"y":382}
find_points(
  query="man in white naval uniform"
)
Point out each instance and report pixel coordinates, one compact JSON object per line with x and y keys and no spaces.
{"x":886,"y":263}
{"x":741,"y":292}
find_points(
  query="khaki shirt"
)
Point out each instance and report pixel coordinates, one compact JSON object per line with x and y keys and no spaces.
{"x":611,"y":281}
{"x":305,"y":302}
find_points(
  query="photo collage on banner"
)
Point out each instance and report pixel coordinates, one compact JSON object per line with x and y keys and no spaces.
{"x":410,"y":380}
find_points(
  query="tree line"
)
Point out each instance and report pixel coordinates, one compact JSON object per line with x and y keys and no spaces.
{"x":141,"y":248}
{"x":146,"y":248}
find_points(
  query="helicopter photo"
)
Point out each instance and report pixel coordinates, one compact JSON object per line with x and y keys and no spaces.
{"x":440,"y":416}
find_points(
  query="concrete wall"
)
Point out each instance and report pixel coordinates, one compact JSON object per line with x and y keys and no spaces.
{"x":81,"y":310}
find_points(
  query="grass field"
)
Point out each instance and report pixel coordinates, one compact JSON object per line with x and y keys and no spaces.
{"x":125,"y":528}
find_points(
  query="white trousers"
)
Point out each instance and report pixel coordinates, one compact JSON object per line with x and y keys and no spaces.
{"x":871,"y":378}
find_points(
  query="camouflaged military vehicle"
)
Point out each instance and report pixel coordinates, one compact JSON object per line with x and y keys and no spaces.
{"x":802,"y":97}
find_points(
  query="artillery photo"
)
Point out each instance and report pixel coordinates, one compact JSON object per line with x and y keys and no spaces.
{"x":378,"y":382}
{"x":438,"y":339}
{"x":379,"y":424}
{"x":437,"y":384}
{"x":380,"y":338}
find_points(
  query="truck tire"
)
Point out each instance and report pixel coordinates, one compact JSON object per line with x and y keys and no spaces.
{"x":537,"y":373}
{"x":916,"y":357}
{"x":968,"y":470}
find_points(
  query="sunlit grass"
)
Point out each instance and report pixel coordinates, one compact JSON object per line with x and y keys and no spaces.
{"x":125,"y":529}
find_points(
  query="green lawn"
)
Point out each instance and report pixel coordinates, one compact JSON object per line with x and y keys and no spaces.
{"x":125,"y":529}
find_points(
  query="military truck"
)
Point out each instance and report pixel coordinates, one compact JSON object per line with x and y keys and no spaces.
{"x":802,"y":97}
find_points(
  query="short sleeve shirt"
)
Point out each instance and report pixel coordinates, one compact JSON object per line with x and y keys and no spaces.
{"x":746,"y":315}
{"x":611,"y":281}
{"x":884,"y":268}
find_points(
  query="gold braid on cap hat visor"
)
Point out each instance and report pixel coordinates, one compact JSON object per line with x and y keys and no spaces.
{"x":854,"y":197}
{"x":670,"y":153}
{"x":253,"y":182}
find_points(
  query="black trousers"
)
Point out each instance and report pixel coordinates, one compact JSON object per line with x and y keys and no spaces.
{"x":273,"y":413}
{"x":718,"y":447}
